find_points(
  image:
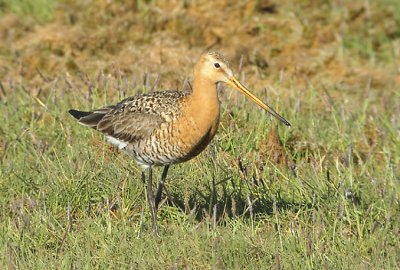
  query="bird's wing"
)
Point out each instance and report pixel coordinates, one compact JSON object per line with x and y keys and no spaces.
{"x":135,"y":117}
{"x":129,"y":126}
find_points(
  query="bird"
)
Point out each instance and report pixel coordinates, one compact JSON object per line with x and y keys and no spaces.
{"x":163,"y":128}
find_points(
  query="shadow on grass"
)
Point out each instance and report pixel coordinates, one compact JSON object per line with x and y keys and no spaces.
{"x":231,"y":203}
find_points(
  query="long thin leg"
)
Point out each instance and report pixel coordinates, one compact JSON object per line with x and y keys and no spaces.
{"x":151,"y":201}
{"x":142,"y":213}
{"x":144,"y":177}
{"x":161,"y":185}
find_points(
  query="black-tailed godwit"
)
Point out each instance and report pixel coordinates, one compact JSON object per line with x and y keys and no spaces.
{"x":168,"y":127}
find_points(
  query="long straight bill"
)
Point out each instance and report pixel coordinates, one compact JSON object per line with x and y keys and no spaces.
{"x":236,"y":84}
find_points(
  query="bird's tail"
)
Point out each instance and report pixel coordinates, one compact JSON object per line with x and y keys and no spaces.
{"x":90,"y":119}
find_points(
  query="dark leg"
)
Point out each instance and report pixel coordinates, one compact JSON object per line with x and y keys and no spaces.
{"x":161,"y":185}
{"x":151,"y":201}
{"x":144,"y":177}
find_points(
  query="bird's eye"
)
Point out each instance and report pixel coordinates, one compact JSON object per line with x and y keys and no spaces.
{"x":217,"y":65}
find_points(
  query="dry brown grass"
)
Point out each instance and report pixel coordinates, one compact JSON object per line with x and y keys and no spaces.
{"x":167,"y":37}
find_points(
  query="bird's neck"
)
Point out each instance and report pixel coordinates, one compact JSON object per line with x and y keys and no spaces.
{"x":204,"y":103}
{"x":205,"y":96}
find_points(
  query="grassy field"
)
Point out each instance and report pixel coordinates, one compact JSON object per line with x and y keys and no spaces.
{"x":323,"y":194}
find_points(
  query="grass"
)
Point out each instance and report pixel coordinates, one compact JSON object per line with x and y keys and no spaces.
{"x":69,"y":201}
{"x":330,"y":199}
{"x":40,"y":10}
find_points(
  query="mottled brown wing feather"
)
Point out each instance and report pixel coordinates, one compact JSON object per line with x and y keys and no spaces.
{"x":91,"y":119}
{"x":136,"y":117}
{"x":129,"y":126}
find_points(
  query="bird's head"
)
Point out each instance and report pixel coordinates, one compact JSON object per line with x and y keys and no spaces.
{"x":214,"y":67}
